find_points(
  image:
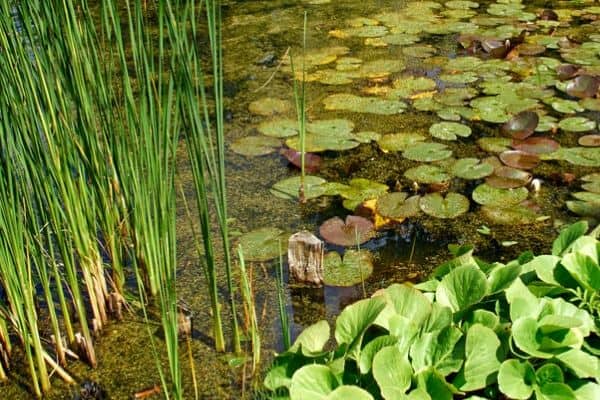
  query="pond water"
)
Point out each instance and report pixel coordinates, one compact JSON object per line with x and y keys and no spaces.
{"x":404,"y":61}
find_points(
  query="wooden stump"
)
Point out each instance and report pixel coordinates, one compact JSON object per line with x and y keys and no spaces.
{"x":305,"y":258}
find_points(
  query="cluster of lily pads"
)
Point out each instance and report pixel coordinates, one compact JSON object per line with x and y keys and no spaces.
{"x":521,"y":330}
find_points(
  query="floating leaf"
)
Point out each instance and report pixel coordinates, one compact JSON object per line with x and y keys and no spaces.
{"x":427,"y":174}
{"x":312,"y":162}
{"x":427,"y":152}
{"x":314,"y":186}
{"x":521,"y":125}
{"x":424,"y":51}
{"x":360,"y":190}
{"x":279,"y":128}
{"x":485,"y":194}
{"x":263,"y":244}
{"x":577,"y":124}
{"x":584,"y":156}
{"x":494,"y":144}
{"x":583,"y":86}
{"x":255,"y":145}
{"x":269,"y":106}
{"x":449,"y":130}
{"x":396,"y":205}
{"x":399,"y":141}
{"x":356,"y":230}
{"x":566,"y":106}
{"x":318,"y":143}
{"x":355,"y":268}
{"x":508,"y":178}
{"x":589,"y":140}
{"x":512,"y":215}
{"x":451,"y":206}
{"x":519,"y":159}
{"x":330,"y":127}
{"x":373,"y":105}
{"x":536,"y":145}
{"x":471,"y":168}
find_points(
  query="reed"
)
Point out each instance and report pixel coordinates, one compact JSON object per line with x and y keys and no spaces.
{"x":281,"y":303}
{"x":250,"y":308}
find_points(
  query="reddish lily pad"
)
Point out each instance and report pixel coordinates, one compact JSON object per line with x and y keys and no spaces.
{"x":567,"y":71}
{"x":536,"y":145}
{"x":312,"y":162}
{"x":521,"y":125}
{"x":354,"y":231}
{"x":589,"y":140}
{"x":583,"y":86}
{"x":508,"y":178}
{"x":519,"y":159}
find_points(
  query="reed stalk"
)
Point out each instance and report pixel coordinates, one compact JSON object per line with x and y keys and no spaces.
{"x":249,"y":306}
{"x":281,"y":303}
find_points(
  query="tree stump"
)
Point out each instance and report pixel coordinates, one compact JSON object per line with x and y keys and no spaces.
{"x":305,"y":258}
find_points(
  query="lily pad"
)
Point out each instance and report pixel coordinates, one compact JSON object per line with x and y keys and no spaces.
{"x":584,"y":156}
{"x":461,"y":4}
{"x":424,"y":51}
{"x":330,"y":127}
{"x":514,"y":215}
{"x":508,"y":178}
{"x":494,"y":144}
{"x":536,"y":145}
{"x":279,"y":128}
{"x":577,"y":124}
{"x":589,"y":140}
{"x":521,"y":125}
{"x":359,"y":190}
{"x":583,"y":86}
{"x":399,"y":141}
{"x":519,"y":159}
{"x":263,"y":244}
{"x":393,"y":205}
{"x":255,"y":145}
{"x":354,"y":268}
{"x":427,"y":174}
{"x":312,"y":162}
{"x":451,"y":206}
{"x":356,"y":230}
{"x":427,"y":152}
{"x":566,"y":106}
{"x":314,"y":186}
{"x":373,"y":105}
{"x":487,"y":195}
{"x":449,"y":130}
{"x":270,"y":106}
{"x":584,"y":208}
{"x":471,"y":168}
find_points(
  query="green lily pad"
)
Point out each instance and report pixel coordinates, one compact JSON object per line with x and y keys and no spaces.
{"x":270,"y":106}
{"x":406,"y":87}
{"x":330,"y":127}
{"x":449,"y":130}
{"x":566,"y":106}
{"x":584,"y":156}
{"x":380,"y":68}
{"x":361,"y":31}
{"x":314,"y":186}
{"x":424,"y":51}
{"x":547,"y":123}
{"x":577,"y":124}
{"x":455,"y":96}
{"x":263,"y":244}
{"x":399,"y":141}
{"x":451,"y":206}
{"x":255,"y":145}
{"x":455,"y":113}
{"x":317,"y":143}
{"x":396,"y":205}
{"x":513,"y":215}
{"x":485,"y":194}
{"x":494,"y":144}
{"x":460,"y":78}
{"x":471,"y":168}
{"x":584,"y":208}
{"x":279,"y":128}
{"x":401,"y":39}
{"x":373,"y":105}
{"x":359,"y":190}
{"x":427,"y":152}
{"x":427,"y":174}
{"x":461,"y":4}
{"x":367,"y":136}
{"x":354,"y":268}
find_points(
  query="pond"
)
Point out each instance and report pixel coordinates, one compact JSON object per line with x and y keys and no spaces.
{"x":443,"y":123}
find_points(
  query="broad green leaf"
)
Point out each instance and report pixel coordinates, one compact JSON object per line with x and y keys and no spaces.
{"x":549,"y":373}
{"x":554,"y":391}
{"x":461,"y":288}
{"x":435,"y":385}
{"x":405,"y":301}
{"x":518,"y":290}
{"x":372,"y":348}
{"x":553,"y":323}
{"x":432,"y":350}
{"x":584,"y":270}
{"x":525,"y":336}
{"x":568,"y":236}
{"x":312,"y":339}
{"x":312,"y":382}
{"x":355,"y":319}
{"x":346,"y":392}
{"x":439,"y":318}
{"x":502,"y":276}
{"x":481,"y":361}
{"x":483,"y":317}
{"x":405,"y":330}
{"x":545,"y":268}
{"x":583,"y":365}
{"x":418,"y":394}
{"x":588,"y":390}
{"x":392,"y":371}
{"x":516,"y":379}
{"x":587,"y":245}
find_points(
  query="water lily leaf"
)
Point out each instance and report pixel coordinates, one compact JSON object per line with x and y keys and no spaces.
{"x":427,"y":152}
{"x":583,"y":86}
{"x":288,"y":188}
{"x":263,"y":244}
{"x":519,"y":159}
{"x":481,"y":361}
{"x":317,"y":143}
{"x":461,"y":4}
{"x":508,"y":178}
{"x":279,"y":128}
{"x":591,"y":104}
{"x":584,"y":156}
{"x":399,"y":141}
{"x":408,"y":86}
{"x":270,"y":106}
{"x":380,"y":68}
{"x":355,"y":268}
{"x":367,"y":136}
{"x":566,"y":106}
{"x":364,"y":31}
{"x":312,"y":162}
{"x":401,"y":39}
{"x":396,"y":205}
{"x":359,"y":190}
{"x":255,"y":145}
{"x":449,"y":130}
{"x":424,"y":51}
{"x":494,"y":144}
{"x":516,"y":379}
{"x":521,"y":125}
{"x":461,"y":287}
{"x":316,"y":57}
{"x":536,"y":145}
{"x":331,"y":127}
{"x":577,"y":124}
{"x":513,"y":215}
{"x":547,"y":124}
{"x":485,"y":194}
{"x":427,"y":174}
{"x":451,"y":206}
{"x":584,"y":208}
{"x":454,"y":96}
{"x":471,"y":168}
{"x":459,"y":78}
{"x":587,"y":196}
{"x":373,"y":105}
{"x":392,"y":372}
{"x":589,"y":140}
